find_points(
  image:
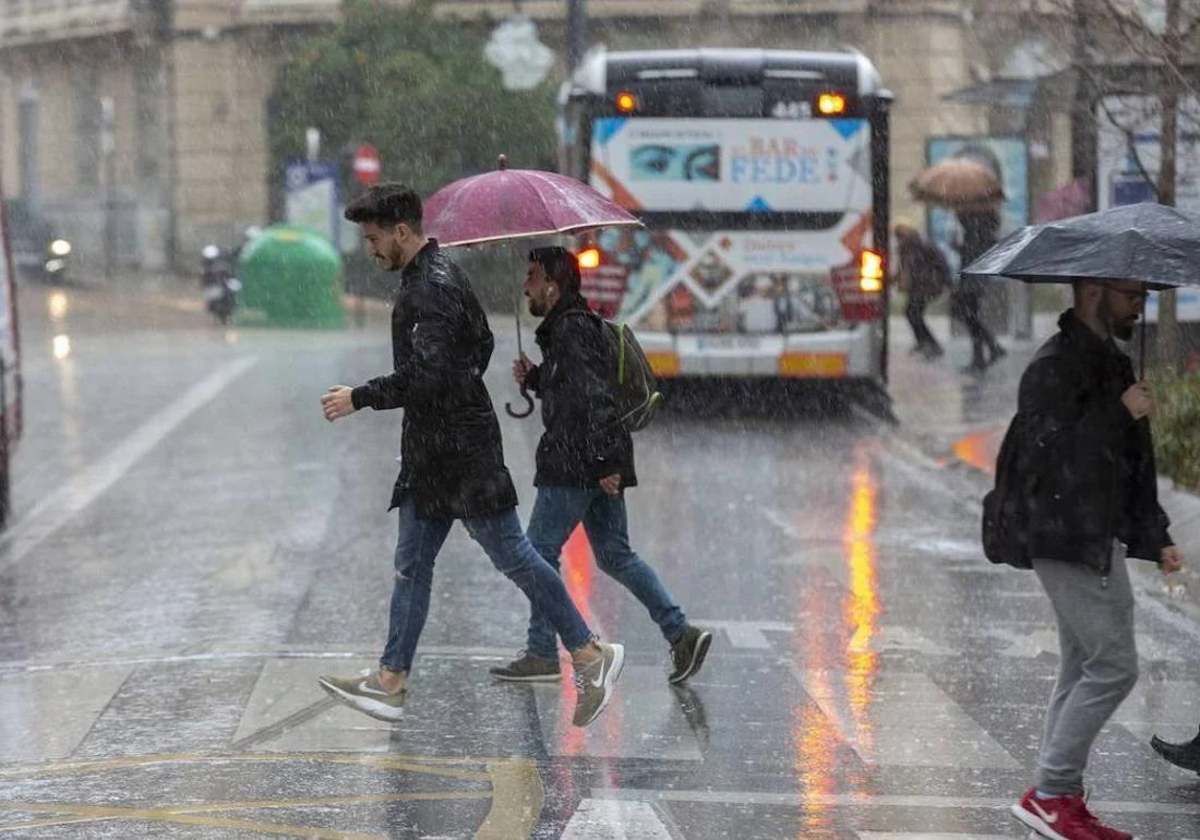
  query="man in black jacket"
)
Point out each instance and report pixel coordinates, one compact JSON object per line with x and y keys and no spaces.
{"x":979,"y":233}
{"x":584,"y":464}
{"x":452,"y":460}
{"x":1087,"y":461}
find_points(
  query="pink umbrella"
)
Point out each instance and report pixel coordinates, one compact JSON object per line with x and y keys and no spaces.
{"x":508,"y":204}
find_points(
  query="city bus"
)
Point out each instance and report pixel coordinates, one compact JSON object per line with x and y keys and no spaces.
{"x":762,"y":180}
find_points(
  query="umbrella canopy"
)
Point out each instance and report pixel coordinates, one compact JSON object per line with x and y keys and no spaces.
{"x":515,"y":204}
{"x":1146,"y":243}
{"x":958,"y":183}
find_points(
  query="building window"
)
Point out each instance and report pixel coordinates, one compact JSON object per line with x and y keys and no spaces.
{"x":148,"y":91}
{"x":87,"y":125}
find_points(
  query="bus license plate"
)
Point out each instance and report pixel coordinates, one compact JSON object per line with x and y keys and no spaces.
{"x":750,"y":343}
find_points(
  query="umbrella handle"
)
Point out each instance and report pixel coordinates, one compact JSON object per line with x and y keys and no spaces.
{"x":512,"y":412}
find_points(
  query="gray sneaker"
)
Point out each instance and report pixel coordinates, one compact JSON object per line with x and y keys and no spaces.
{"x":594,"y":683}
{"x":365,"y":694}
{"x":528,"y":668}
{"x":688,"y":652}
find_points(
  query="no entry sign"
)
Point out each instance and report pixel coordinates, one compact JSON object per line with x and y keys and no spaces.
{"x":366,"y":165}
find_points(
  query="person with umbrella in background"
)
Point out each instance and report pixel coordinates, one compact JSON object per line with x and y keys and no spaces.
{"x":924,"y":275}
{"x":452,"y":460}
{"x":584,"y":464}
{"x":1076,"y":482}
{"x":979,"y":232}
{"x":969,"y":185}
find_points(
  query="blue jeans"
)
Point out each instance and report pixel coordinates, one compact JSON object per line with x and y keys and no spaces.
{"x":555,"y":514}
{"x":510,"y":551}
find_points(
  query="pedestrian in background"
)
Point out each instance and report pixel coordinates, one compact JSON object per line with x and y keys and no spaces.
{"x":452,"y":459}
{"x":979,"y":232}
{"x":584,"y":465}
{"x":1082,"y":494}
{"x":924,"y":275}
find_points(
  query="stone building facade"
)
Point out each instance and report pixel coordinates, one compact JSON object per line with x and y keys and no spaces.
{"x":188,"y":83}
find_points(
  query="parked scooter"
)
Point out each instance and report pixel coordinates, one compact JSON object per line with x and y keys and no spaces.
{"x":220,"y":286}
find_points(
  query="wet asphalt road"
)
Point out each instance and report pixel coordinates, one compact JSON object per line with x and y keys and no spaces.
{"x":194,"y":544}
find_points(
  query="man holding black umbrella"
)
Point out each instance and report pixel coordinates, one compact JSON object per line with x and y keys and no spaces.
{"x":1084,"y":448}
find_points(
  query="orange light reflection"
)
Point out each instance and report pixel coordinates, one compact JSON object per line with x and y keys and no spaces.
{"x":840,"y":675}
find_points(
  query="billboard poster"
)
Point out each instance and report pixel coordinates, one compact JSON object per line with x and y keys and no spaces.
{"x":736,"y":281}
{"x":312,"y":197}
{"x":1128,"y":134}
{"x":1008,"y":158}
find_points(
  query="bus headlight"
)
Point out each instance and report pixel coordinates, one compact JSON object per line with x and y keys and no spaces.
{"x":60,"y":247}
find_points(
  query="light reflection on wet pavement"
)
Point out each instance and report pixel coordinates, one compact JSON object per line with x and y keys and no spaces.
{"x":190,"y":558}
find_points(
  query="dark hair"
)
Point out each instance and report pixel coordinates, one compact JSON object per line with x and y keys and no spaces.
{"x":560,"y":265}
{"x":387,"y":205}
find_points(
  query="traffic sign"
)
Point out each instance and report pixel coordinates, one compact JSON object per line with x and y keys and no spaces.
{"x":366,"y":165}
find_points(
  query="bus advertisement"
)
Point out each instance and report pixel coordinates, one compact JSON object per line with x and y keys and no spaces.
{"x":761,"y":179}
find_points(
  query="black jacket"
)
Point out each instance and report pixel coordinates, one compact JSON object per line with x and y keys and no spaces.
{"x":924,"y":267}
{"x":584,"y":439}
{"x":452,"y":457}
{"x":980,"y":230}
{"x":1086,"y":466}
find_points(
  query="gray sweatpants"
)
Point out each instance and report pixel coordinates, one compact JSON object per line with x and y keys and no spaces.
{"x":1099,"y":665}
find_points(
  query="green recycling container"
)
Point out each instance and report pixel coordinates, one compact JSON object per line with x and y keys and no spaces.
{"x":291,"y":277}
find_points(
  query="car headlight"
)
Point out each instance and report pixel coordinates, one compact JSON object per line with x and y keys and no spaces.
{"x":60,"y":247}
{"x":55,"y":266}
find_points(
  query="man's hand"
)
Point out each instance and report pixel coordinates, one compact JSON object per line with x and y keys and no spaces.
{"x":611,"y":484}
{"x":1139,"y":400}
{"x":521,"y":369}
{"x":337,"y":403}
{"x":1172,"y":560}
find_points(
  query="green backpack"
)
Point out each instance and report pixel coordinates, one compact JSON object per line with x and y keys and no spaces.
{"x":636,"y":391}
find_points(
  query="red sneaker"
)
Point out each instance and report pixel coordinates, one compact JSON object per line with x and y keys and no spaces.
{"x":1058,"y":818}
{"x":1105,"y":832}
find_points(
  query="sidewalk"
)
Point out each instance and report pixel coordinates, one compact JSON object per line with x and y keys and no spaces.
{"x":959,"y":420}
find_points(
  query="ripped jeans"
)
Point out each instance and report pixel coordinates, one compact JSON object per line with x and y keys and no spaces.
{"x":501,"y":538}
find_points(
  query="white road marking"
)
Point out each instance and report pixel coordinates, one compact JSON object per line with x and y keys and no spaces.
{"x":745,"y":634}
{"x":612,"y":819}
{"x":859,"y":800}
{"x":57,"y":509}
{"x":904,"y":835}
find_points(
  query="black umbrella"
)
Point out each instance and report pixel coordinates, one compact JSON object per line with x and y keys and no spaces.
{"x":1147,"y":243}
{"x":1151,"y":244}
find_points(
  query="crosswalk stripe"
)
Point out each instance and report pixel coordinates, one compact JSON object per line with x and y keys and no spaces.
{"x":610,"y":819}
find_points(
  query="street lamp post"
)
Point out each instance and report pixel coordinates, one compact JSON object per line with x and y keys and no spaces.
{"x":107,"y":149}
{"x":576,"y":32}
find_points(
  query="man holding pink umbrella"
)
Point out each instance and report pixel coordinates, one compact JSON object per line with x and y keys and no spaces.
{"x":452,"y":460}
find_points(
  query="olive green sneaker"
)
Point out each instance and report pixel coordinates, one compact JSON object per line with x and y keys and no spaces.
{"x":528,"y":668}
{"x":365,"y":694}
{"x":688,"y":652}
{"x":594,"y":683}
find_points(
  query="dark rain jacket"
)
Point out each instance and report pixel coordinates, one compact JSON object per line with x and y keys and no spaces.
{"x":452,"y":458}
{"x":1085,"y":466}
{"x":980,"y":230}
{"x":924,"y":267}
{"x":584,"y":440}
